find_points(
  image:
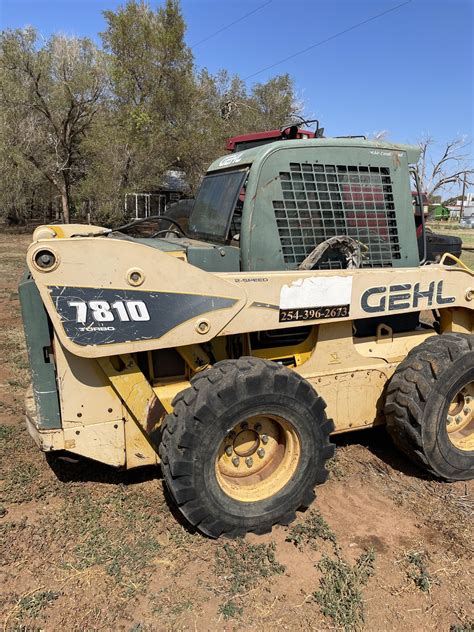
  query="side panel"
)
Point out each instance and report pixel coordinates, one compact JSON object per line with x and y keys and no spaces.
{"x":179,"y":304}
{"x":215,"y":259}
{"x":352,"y":378}
{"x":38,"y":342}
{"x":102,"y":442}
{"x":86,"y":396}
{"x":97,"y":307}
{"x":96,"y":423}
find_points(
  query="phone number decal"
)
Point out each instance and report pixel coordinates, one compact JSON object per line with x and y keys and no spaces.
{"x":314,"y":313}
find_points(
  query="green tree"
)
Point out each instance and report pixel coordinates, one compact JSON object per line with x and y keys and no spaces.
{"x":218,"y":110}
{"x":106,"y":152}
{"x":274,"y":103}
{"x":24,"y":193}
{"x":84,"y":126}
{"x":167,"y":115}
{"x":49,"y":96}
{"x":223,"y":107}
{"x":152,"y":77}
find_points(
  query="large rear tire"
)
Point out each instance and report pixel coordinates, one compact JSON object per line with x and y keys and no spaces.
{"x":245,"y":447}
{"x":430,"y":406}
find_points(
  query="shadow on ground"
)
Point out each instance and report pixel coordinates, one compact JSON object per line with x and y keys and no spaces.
{"x":69,"y":469}
{"x":378,"y":443}
{"x":81,"y":469}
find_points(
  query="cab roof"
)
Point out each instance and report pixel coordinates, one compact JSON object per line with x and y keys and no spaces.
{"x":254,"y":154}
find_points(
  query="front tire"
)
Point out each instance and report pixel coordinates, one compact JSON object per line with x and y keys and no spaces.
{"x":430,"y":406}
{"x":244,"y":447}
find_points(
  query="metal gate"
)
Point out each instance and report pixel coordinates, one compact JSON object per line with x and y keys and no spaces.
{"x":141,"y":205}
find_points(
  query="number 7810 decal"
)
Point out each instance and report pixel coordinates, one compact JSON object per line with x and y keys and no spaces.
{"x":105,"y":312}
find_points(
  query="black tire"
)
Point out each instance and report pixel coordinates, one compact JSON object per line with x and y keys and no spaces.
{"x":437,"y":244}
{"x":420,"y":396}
{"x":220,"y":399}
{"x":180,"y":212}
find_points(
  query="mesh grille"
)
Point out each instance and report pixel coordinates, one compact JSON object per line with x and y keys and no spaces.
{"x":321,"y":201}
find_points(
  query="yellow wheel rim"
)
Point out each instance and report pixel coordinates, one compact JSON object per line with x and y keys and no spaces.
{"x":460,"y":422}
{"x":257,"y":458}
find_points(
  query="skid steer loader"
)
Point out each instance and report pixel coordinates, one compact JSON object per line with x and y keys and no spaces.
{"x":297,"y":305}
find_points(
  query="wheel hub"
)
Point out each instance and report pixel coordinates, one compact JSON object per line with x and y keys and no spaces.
{"x":257,"y":458}
{"x":460,"y":419}
{"x":246,"y":443}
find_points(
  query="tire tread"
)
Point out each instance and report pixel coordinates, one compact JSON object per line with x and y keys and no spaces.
{"x":208,"y":396}
{"x":408,"y":391}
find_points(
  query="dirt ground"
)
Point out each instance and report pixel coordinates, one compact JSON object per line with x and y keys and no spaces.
{"x":83,"y":547}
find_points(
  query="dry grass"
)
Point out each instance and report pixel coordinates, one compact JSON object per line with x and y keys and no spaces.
{"x":313,"y":529}
{"x":339,"y":593}
{"x":240,"y":567}
{"x":12,"y":343}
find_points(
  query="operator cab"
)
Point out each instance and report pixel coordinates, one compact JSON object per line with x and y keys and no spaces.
{"x":217,"y":211}
{"x":271,"y":206}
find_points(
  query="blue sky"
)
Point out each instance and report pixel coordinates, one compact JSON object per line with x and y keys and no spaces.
{"x":409,"y":72}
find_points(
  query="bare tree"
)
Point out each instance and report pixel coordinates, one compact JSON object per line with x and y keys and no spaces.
{"x":443,"y":170}
{"x":49,"y":97}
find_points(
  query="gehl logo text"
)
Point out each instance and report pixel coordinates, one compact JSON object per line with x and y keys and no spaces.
{"x":404,"y":296}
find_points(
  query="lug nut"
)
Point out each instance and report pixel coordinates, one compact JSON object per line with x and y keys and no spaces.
{"x":467,"y":410}
{"x":228,"y":450}
{"x":236,"y":461}
{"x":458,"y":419}
{"x":231,"y":435}
{"x":467,"y":400}
{"x":244,"y":425}
{"x":258,"y":427}
{"x":264,"y":439}
{"x":450,"y":419}
{"x":249,"y":461}
{"x":261,"y":452}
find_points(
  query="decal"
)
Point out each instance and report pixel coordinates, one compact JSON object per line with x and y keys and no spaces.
{"x":252,"y":280}
{"x":102,"y":311}
{"x":316,"y":298}
{"x":95,"y":316}
{"x":378,"y":152}
{"x":314,"y":313}
{"x":404,"y":296}
{"x":228,"y":161}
